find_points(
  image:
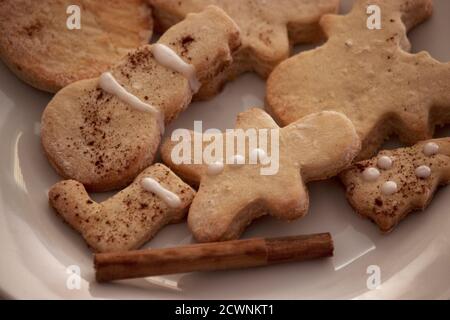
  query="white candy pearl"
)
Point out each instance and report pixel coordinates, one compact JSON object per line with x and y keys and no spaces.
{"x":215,"y":168}
{"x":258,"y":156}
{"x":371,"y":174}
{"x":384,"y":162}
{"x":423,"y":172}
{"x":430,"y":149}
{"x":236,"y":161}
{"x":389,"y":188}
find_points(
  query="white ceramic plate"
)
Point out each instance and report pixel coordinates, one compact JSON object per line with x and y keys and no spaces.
{"x":36,"y":247}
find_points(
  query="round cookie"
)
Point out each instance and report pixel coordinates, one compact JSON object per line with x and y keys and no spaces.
{"x":39,"y":48}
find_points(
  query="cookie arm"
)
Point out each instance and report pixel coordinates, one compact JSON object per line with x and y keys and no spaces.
{"x":188,"y":171}
{"x":304,"y":19}
{"x":413,"y":12}
{"x":427,"y":102}
{"x":440,"y":113}
{"x":270,"y":46}
{"x":326,"y":145}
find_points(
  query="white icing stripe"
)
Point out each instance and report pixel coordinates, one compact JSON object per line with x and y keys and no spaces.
{"x":110,"y":85}
{"x":167,"y":196}
{"x":169,"y":59}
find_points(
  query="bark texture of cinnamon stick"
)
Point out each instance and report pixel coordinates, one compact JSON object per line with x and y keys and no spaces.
{"x":211,"y":256}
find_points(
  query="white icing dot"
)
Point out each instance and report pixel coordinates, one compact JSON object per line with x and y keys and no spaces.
{"x":258,"y":155}
{"x":389,"y":188}
{"x":384,"y":162}
{"x":431,"y":149}
{"x":215,"y":168}
{"x":423,"y":172}
{"x":236,"y":160}
{"x":371,"y":174}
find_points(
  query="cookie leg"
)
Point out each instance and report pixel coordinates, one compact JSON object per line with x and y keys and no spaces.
{"x":267,"y":49}
{"x":211,"y":221}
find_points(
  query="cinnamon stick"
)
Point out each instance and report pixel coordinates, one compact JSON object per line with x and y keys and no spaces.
{"x":237,"y":254}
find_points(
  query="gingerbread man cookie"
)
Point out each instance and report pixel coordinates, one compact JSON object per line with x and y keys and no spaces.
{"x":269,"y":29}
{"x":232,"y":195}
{"x":40,"y":45}
{"x":388,"y":187}
{"x":129,"y":219}
{"x":367,"y":75}
{"x":103,"y":132}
